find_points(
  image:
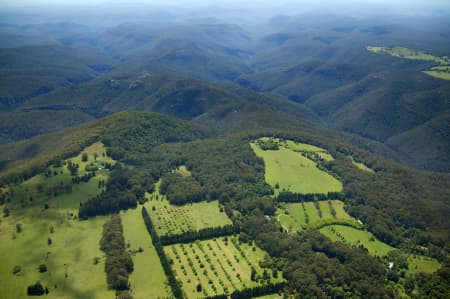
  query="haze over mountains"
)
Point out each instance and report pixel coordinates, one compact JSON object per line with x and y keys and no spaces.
{"x":310,"y":67}
{"x":225,"y":149}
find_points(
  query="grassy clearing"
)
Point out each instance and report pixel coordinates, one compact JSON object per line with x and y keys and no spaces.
{"x":305,"y":148}
{"x":356,"y":237}
{"x":148,"y":276}
{"x":439,"y":74}
{"x":298,"y":216}
{"x":442,"y":71}
{"x":362,"y":166}
{"x":170,"y":219}
{"x":72,"y":272}
{"x":406,"y":53}
{"x":221,"y":266}
{"x":289,"y":170}
{"x":183,"y":171}
{"x":50,"y":188}
{"x":70,"y":260}
{"x":422,"y":264}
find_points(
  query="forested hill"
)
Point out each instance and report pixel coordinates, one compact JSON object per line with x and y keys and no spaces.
{"x":405,"y":197}
{"x":26,"y":158}
{"x":318,"y":72}
{"x":404,"y":208}
{"x":225,"y":108}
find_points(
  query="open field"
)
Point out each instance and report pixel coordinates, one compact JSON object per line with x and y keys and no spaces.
{"x":306,"y":148}
{"x":55,"y":187}
{"x":289,"y":170}
{"x":220,"y":266}
{"x":356,"y":237}
{"x":422,"y":264}
{"x":148,"y":276}
{"x":362,"y":166}
{"x":442,"y":71}
{"x":298,"y":216}
{"x":183,"y":171}
{"x":71,"y":273}
{"x":47,"y":213}
{"x":406,"y":53}
{"x":445,"y":75}
{"x":171,"y":219}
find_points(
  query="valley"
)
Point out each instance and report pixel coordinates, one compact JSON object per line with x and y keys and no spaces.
{"x":212,"y":150}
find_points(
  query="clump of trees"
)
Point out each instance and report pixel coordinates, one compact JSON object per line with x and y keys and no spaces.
{"x":267,"y":144}
{"x":118,"y":265}
{"x":122,"y":192}
{"x":181,"y":190}
{"x":84,"y":178}
{"x":288,"y":196}
{"x":37,"y":289}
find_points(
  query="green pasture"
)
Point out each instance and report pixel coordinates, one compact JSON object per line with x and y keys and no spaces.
{"x":362,"y":166}
{"x":71,"y":273}
{"x":74,"y":260}
{"x":291,"y":171}
{"x":424,"y":264}
{"x":407,"y":53}
{"x":445,"y":75}
{"x":183,"y":171}
{"x":442,"y":71}
{"x":148,"y":278}
{"x":171,"y":219}
{"x":356,"y":237}
{"x":219,"y":265}
{"x":293,"y":216}
{"x":305,"y":148}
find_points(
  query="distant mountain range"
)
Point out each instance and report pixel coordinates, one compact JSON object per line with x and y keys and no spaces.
{"x":297,"y":72}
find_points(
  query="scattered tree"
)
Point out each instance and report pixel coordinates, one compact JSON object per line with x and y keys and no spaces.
{"x":18,"y":228}
{"x":42,"y":268}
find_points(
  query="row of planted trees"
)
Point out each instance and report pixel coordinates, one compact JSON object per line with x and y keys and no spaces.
{"x":262,"y":290}
{"x":288,"y":196}
{"x":173,"y":283}
{"x":209,"y":233}
{"x":203,"y":234}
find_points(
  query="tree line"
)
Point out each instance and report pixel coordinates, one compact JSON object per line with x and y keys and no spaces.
{"x":173,"y":283}
{"x":288,"y":196}
{"x":118,"y":265}
{"x":270,"y":288}
{"x":203,"y":234}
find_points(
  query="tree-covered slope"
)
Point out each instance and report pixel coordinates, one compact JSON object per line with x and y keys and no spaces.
{"x":207,"y":103}
{"x":403,"y":207}
{"x":31,"y":70}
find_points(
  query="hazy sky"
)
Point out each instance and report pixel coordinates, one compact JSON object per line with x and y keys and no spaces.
{"x":55,"y":10}
{"x":95,"y":2}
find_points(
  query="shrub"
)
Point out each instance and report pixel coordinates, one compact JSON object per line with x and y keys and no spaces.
{"x":16,"y":270}
{"x":18,"y":228}
{"x":36,"y":289}
{"x":5,"y":212}
{"x":42,"y":268}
